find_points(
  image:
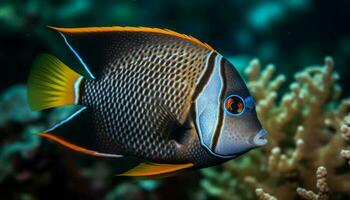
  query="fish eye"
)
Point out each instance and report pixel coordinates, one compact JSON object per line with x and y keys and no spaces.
{"x":234,"y":105}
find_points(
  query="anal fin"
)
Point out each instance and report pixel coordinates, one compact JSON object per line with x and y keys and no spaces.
{"x":78,"y":133}
{"x":153,"y":169}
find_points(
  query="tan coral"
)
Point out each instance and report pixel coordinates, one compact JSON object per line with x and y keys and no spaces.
{"x":280,"y":163}
{"x":345,"y":131}
{"x":263,"y":195}
{"x":345,"y":154}
{"x":322,"y":186}
{"x":345,"y":128}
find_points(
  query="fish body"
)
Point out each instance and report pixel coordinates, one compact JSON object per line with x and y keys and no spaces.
{"x":153,"y":94}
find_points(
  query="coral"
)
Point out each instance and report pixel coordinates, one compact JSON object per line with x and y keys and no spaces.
{"x":345,"y":131}
{"x":303,"y":125}
{"x":345,"y":128}
{"x":263,"y":195}
{"x":321,"y":185}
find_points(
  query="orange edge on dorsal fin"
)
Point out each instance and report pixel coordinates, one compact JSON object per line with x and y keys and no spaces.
{"x":132,"y":29}
{"x":75,"y":147}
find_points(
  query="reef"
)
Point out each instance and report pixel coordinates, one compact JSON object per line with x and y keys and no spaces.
{"x":308,"y":131}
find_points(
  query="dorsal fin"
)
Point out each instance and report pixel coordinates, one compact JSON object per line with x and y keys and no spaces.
{"x":100,"y":47}
{"x":131,"y":29}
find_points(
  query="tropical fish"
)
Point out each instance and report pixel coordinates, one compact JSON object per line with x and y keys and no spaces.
{"x":148,"y":93}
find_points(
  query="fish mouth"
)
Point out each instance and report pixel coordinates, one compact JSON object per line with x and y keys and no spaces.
{"x":260,"y":138}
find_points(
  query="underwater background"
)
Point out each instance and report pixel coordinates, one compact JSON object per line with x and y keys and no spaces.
{"x":293,"y":54}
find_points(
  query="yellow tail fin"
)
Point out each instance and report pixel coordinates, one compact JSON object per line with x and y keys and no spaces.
{"x":51,"y":83}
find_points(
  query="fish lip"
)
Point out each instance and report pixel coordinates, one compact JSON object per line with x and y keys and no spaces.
{"x":260,"y":138}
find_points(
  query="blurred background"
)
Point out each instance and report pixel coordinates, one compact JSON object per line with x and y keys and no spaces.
{"x":291,"y":34}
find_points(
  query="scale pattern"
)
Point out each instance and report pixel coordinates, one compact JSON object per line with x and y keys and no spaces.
{"x":139,"y":76}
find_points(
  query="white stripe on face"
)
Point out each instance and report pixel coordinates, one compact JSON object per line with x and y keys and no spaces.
{"x":208,"y":106}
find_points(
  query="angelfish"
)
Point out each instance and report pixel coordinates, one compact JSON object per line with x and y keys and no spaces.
{"x":154,"y":94}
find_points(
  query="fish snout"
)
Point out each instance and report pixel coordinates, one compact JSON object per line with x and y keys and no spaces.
{"x":260,"y":138}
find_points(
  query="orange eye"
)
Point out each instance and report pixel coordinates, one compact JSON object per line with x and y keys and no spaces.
{"x":234,"y":105}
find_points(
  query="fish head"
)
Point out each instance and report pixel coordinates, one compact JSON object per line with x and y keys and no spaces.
{"x":226,"y":119}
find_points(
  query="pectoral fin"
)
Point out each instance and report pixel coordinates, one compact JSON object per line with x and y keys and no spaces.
{"x":152,"y":169}
{"x":170,"y":122}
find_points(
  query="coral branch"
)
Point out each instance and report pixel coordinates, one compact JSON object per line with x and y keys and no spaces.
{"x":345,"y":154}
{"x":280,"y":163}
{"x":321,"y":185}
{"x":263,"y":195}
{"x":345,"y":132}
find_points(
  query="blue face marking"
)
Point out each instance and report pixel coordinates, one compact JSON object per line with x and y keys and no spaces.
{"x":77,"y":55}
{"x":249,"y":102}
{"x":207,"y":106}
{"x":217,"y":132}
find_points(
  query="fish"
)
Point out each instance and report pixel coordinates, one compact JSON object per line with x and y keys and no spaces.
{"x":165,"y":98}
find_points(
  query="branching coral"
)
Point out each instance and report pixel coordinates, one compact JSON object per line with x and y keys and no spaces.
{"x":263,"y":195}
{"x":321,"y":185}
{"x":304,"y":133}
{"x":345,"y":131}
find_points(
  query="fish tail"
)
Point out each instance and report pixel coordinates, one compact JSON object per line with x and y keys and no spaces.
{"x":51,"y":83}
